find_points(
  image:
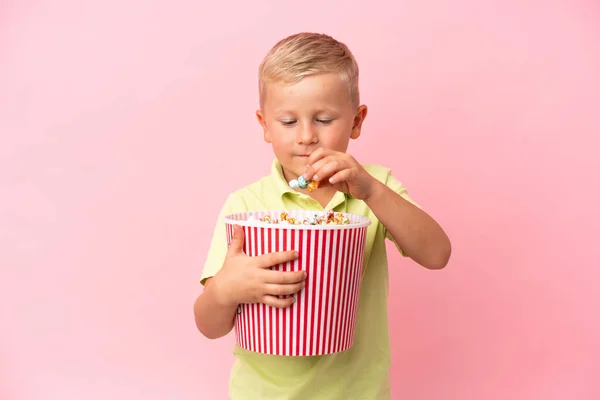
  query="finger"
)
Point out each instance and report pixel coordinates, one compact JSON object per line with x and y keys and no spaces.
{"x":277,"y":302}
{"x":284,"y":277}
{"x":313,"y":168}
{"x":342,"y":176}
{"x":284,"y":290}
{"x":271,"y":259}
{"x":237,"y":241}
{"x":317,"y":155}
{"x":329,"y":169}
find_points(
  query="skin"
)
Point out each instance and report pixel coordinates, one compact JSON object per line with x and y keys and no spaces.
{"x":309,"y":124}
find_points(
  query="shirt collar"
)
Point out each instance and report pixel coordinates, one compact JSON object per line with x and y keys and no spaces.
{"x":278,"y":179}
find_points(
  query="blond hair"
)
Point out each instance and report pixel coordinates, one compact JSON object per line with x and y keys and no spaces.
{"x":304,"y":54}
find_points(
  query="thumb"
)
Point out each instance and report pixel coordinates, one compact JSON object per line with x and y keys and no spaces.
{"x":237,"y":241}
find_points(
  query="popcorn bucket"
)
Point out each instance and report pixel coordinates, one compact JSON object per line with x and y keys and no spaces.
{"x":323,"y":317}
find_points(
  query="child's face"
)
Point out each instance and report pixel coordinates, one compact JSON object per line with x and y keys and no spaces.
{"x":315,"y":112}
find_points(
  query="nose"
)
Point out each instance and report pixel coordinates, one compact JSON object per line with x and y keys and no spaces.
{"x":306,"y":135}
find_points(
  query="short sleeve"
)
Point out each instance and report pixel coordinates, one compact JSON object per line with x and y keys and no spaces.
{"x":397,"y":187}
{"x":218,"y":244}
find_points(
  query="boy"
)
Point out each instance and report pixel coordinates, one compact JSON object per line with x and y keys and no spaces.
{"x":309,"y":111}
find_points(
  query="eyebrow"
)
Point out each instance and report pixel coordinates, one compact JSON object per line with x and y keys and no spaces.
{"x":284,"y":111}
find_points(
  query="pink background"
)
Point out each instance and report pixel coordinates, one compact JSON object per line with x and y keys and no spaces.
{"x":488,"y":111}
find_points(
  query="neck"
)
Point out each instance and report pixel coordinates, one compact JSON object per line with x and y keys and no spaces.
{"x":323,"y":195}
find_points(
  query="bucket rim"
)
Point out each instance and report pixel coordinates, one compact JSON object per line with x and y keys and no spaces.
{"x":229,"y":220}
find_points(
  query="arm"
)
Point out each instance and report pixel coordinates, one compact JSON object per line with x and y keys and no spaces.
{"x":244,"y":279}
{"x":419,"y":235}
{"x":214,"y":318}
{"x":413,"y":230}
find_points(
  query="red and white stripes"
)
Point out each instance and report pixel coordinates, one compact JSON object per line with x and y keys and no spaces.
{"x":322,"y":320}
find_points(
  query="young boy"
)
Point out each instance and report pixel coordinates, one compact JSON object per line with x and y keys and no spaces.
{"x":309,"y":111}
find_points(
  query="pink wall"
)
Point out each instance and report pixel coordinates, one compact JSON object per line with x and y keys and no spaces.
{"x":489,"y":111}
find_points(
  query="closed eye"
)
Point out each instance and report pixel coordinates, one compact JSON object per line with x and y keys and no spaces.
{"x":288,"y":122}
{"x":324,"y":121}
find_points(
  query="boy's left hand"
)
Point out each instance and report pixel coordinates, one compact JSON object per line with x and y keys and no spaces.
{"x":342,"y":171}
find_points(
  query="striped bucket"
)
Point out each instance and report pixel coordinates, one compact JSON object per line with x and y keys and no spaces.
{"x":323,"y":318}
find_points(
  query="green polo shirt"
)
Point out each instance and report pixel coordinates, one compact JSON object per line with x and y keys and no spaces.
{"x":362,"y":372}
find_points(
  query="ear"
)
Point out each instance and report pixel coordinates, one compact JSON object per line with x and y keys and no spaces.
{"x":261,"y":120}
{"x":359,"y":118}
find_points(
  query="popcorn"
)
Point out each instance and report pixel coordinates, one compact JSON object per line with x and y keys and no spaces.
{"x":328,"y":217}
{"x":304,"y":184}
{"x":312,"y":185}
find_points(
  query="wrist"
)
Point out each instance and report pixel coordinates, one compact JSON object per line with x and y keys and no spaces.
{"x":220,"y":294}
{"x":377,"y":188}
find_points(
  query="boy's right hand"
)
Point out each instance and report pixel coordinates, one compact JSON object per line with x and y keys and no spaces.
{"x":244,"y":279}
